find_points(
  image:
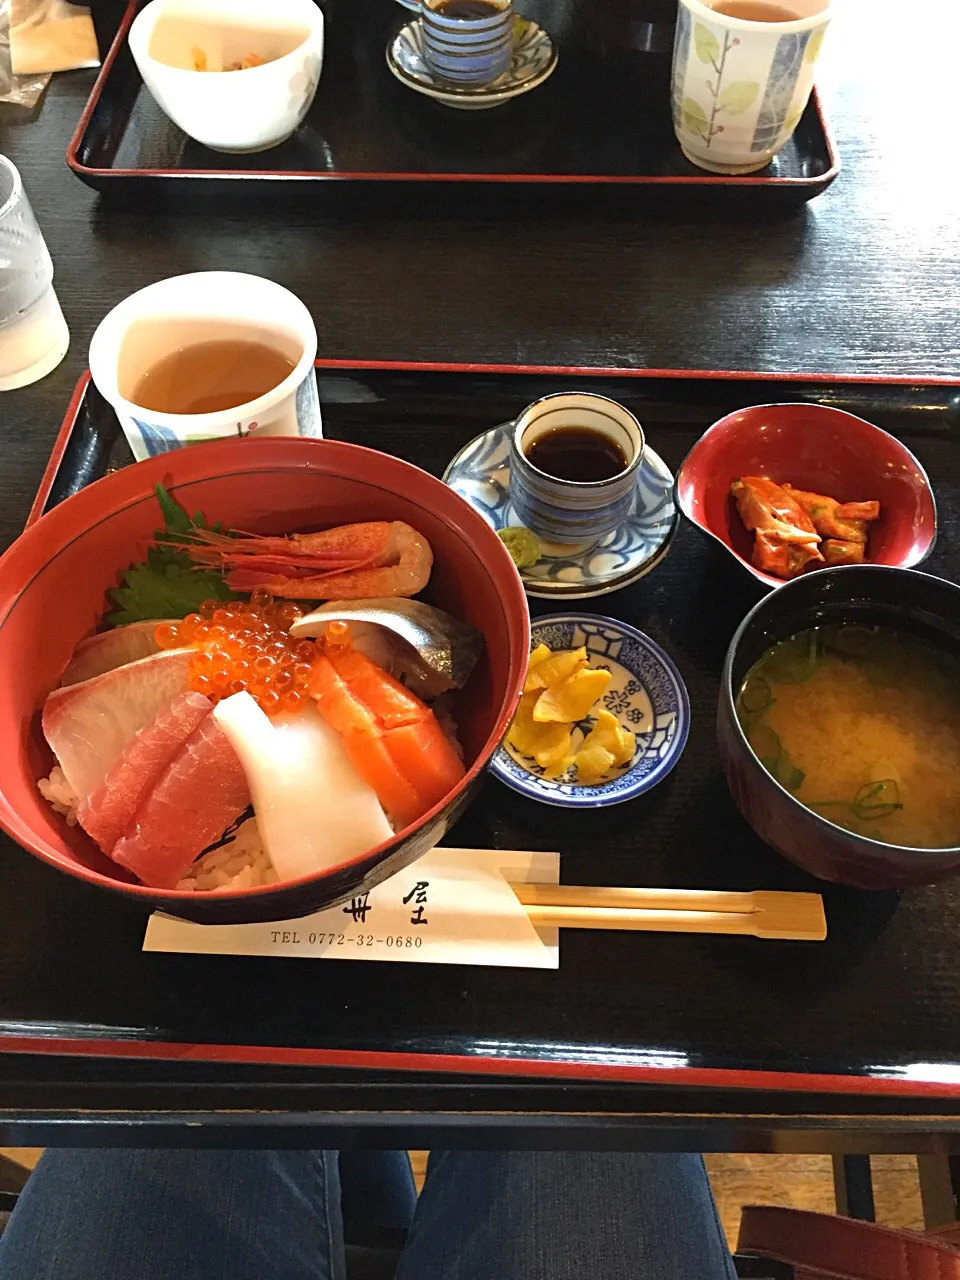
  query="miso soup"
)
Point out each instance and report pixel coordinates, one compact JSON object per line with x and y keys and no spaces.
{"x":862,"y":725}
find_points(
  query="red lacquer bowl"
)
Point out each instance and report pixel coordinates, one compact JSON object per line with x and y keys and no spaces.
{"x":52,"y":585}
{"x":811,"y":447}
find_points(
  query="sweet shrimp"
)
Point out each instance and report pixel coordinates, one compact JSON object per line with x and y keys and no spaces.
{"x":349,"y":562}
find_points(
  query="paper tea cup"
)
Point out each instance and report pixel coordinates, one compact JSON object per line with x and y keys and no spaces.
{"x":207,"y":306}
{"x":739,"y":86}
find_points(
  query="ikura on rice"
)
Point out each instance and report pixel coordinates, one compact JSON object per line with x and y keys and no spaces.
{"x":166,"y":729}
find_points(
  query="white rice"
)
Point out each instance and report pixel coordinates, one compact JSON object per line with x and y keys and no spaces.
{"x":240,"y":863}
{"x":60,"y":794}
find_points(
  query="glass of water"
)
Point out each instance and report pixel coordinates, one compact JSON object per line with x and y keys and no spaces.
{"x":33,"y":333}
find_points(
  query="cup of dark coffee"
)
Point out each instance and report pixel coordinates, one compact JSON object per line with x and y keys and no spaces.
{"x":467,"y":42}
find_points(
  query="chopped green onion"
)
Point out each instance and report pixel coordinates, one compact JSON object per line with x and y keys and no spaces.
{"x":876,"y":800}
{"x":756,"y":695}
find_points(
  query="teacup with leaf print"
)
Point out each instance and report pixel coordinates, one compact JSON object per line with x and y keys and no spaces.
{"x":742,"y":74}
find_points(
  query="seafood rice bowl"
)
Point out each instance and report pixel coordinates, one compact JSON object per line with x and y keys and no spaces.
{"x":277,"y":673}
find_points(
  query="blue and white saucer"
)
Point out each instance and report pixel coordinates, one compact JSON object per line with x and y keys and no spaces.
{"x":534,"y":59}
{"x":480,"y":473}
{"x":646,"y":694}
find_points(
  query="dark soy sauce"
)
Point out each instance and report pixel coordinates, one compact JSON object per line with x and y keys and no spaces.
{"x":577,"y":453}
{"x":467,"y":10}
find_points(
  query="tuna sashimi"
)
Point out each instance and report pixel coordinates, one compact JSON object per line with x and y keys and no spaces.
{"x":314,"y":810}
{"x":199,"y":794}
{"x":109,"y":812}
{"x":88,"y":725}
{"x":109,"y":649}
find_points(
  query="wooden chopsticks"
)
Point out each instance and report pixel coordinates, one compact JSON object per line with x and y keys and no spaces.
{"x":761,"y":914}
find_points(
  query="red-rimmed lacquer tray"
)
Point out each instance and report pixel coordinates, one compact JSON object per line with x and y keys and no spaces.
{"x":600,"y":124}
{"x":863,"y":1022}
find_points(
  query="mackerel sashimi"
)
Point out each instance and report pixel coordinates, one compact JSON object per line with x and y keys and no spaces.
{"x":89,"y":725}
{"x":199,"y":794}
{"x":109,"y":812}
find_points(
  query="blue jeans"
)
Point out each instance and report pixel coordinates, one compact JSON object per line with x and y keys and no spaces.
{"x":276,"y":1215}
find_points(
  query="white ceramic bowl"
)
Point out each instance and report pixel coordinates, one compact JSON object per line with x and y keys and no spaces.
{"x":235,"y":111}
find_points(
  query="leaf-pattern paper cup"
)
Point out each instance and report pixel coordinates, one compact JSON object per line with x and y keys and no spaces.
{"x":739,"y":86}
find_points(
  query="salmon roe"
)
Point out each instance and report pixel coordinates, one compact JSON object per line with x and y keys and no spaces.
{"x":245,"y":645}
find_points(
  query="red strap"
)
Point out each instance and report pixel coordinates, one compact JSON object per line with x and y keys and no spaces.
{"x":843,"y":1249}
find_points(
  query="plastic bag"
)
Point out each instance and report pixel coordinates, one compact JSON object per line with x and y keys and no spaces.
{"x":23,"y":91}
{"x":38,"y":37}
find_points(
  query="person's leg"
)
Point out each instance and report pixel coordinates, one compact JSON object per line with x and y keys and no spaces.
{"x":377,"y":1194}
{"x":177,"y":1215}
{"x":554,"y":1215}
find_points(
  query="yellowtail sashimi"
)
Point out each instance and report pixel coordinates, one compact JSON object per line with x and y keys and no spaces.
{"x":313,"y":809}
{"x":88,"y":725}
{"x":109,"y":649}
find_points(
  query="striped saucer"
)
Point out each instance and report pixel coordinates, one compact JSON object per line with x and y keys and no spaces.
{"x":534,"y":60}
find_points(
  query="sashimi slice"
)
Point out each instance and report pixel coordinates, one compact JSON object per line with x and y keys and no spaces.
{"x":363,"y":742}
{"x":109,"y":649}
{"x":390,"y":701}
{"x":314,"y":810}
{"x":88,"y":725}
{"x":424,"y":755}
{"x":109,"y":812}
{"x":198,"y":795}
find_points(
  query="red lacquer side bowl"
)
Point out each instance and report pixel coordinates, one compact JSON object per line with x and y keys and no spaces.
{"x":817,"y":448}
{"x":53,"y":581}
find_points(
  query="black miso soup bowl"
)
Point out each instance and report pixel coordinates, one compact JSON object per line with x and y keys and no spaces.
{"x":912,"y":602}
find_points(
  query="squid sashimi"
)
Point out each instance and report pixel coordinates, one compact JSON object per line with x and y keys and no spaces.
{"x":109,"y":812}
{"x":313,"y":808}
{"x":89,"y":725}
{"x":199,"y":794}
{"x":109,"y":649}
{"x":393,"y":738}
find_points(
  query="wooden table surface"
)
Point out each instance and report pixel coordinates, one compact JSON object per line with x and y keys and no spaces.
{"x":861,"y":281}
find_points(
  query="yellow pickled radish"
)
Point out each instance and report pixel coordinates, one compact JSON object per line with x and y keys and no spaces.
{"x":572,"y":699}
{"x":609,"y":734}
{"x":553,"y":745}
{"x":539,"y":654}
{"x":555,"y":668}
{"x":523,"y":733}
{"x":560,"y":768}
{"x":593,"y":764}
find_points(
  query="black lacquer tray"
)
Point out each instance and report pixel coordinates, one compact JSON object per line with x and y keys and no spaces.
{"x":600,"y":127}
{"x":869,"y":1017}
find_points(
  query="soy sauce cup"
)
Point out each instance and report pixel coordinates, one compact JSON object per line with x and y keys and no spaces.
{"x":574,"y":511}
{"x":467,"y":42}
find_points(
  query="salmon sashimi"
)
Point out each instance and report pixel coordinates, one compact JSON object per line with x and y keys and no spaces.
{"x":393,"y":738}
{"x":363,"y":742}
{"x":89,"y":725}
{"x":109,"y":812}
{"x":109,"y":649}
{"x":201,"y":791}
{"x":314,"y":809}
{"x":391,"y":702}
{"x":425,"y":756}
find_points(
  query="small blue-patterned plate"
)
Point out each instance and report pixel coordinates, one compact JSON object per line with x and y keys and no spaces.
{"x":646,"y":694}
{"x":480,"y":473}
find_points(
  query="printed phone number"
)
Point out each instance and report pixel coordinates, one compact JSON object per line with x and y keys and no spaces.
{"x":398,"y":941}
